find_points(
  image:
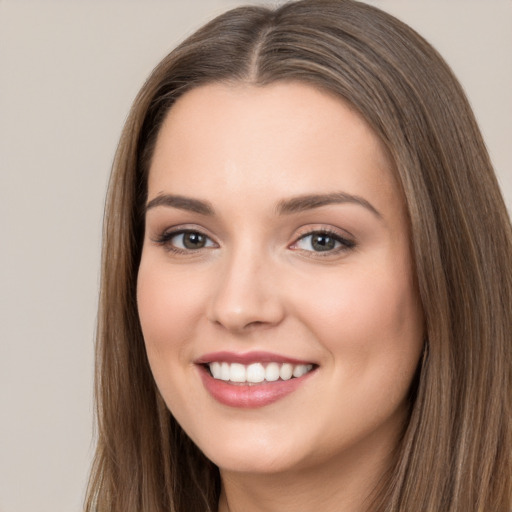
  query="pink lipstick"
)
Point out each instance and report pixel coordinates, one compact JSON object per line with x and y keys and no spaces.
{"x":252,"y":379}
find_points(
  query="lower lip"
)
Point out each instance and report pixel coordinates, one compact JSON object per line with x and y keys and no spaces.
{"x":250,"y":396}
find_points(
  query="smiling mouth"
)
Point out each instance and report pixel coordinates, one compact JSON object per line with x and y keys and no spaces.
{"x":256,"y":373}
{"x":252,"y":379}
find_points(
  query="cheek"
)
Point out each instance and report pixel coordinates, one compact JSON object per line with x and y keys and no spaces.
{"x":369,"y":320}
{"x":372,"y":328}
{"x":169,"y":306}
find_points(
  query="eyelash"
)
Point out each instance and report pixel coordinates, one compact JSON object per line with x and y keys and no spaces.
{"x":344,"y":244}
{"x":166,"y":237}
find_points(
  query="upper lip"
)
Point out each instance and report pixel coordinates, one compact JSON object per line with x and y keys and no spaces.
{"x":248,"y":358}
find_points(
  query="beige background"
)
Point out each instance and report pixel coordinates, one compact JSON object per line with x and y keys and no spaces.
{"x":68,"y":72}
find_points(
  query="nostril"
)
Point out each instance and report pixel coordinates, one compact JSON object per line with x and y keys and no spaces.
{"x":256,"y":323}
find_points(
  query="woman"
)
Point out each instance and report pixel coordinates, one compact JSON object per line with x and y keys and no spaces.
{"x":307,"y":293}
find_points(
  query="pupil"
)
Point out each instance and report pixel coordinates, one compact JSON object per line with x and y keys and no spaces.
{"x":193,"y":240}
{"x":323,"y":243}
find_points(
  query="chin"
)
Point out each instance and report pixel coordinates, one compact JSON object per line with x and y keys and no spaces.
{"x":252,"y":452}
{"x":253,"y":460}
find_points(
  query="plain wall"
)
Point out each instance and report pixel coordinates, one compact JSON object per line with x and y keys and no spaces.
{"x":68,"y":73}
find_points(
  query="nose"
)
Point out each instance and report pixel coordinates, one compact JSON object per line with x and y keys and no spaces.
{"x":246,"y":294}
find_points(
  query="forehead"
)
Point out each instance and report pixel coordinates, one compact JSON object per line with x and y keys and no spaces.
{"x":286,"y":138}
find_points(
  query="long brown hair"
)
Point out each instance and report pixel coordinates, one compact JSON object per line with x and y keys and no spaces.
{"x":455,"y":454}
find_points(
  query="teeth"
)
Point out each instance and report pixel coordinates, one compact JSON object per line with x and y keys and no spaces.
{"x":237,"y":373}
{"x":224,"y":371}
{"x":216,"y":370}
{"x":257,"y":372}
{"x":286,"y":371}
{"x":300,"y":370}
{"x":272,"y":372}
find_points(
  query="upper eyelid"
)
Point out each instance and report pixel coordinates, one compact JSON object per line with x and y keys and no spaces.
{"x":319,"y":228}
{"x":346,"y":241}
{"x":332,"y":234}
{"x":164,"y":237}
{"x":183,"y":228}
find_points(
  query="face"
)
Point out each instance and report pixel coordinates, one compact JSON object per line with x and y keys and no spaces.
{"x":276,"y":290}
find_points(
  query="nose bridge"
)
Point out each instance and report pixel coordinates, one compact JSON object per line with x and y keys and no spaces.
{"x":245,"y":294}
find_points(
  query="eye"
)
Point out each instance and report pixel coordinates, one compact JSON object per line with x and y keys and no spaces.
{"x":190,"y":240}
{"x":322,"y":241}
{"x":185,"y":240}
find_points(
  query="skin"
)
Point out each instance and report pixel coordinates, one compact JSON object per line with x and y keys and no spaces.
{"x":260,"y":284}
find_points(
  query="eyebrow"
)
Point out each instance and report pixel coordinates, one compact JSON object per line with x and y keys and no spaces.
{"x":311,"y":201}
{"x":182,"y":203}
{"x":284,"y":207}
